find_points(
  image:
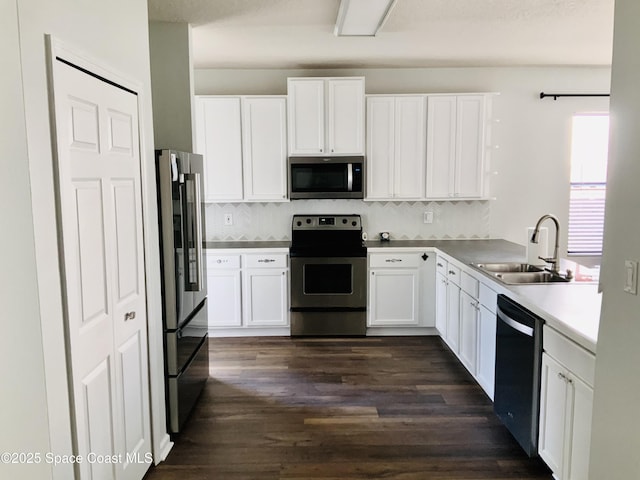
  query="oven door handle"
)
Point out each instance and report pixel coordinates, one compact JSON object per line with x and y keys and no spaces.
{"x":528,"y":331}
{"x":350,"y":177}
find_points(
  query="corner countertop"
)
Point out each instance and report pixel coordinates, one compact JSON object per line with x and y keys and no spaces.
{"x":572,"y":309}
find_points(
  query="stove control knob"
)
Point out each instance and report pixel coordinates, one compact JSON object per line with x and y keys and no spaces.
{"x":308,"y":220}
{"x":299,"y":223}
{"x":354,"y":223}
{"x":344,"y":220}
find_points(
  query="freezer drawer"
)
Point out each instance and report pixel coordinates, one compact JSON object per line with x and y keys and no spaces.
{"x":182,"y":343}
{"x":184,"y":389}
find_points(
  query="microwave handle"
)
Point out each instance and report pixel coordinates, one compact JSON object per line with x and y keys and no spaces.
{"x":350,"y":177}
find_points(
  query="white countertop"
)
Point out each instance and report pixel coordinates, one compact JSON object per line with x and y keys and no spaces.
{"x":572,"y":309}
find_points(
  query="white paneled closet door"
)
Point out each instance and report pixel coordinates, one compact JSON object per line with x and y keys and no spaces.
{"x":100,"y":214}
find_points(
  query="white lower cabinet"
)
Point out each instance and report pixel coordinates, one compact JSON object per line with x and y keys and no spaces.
{"x":452,"y":336}
{"x":265,"y":297}
{"x":401,"y":289}
{"x":248,"y":290}
{"x":566,"y":404}
{"x":468,"y":331}
{"x":441,"y":304}
{"x":224,"y":290}
{"x":485,"y":369}
{"x":465,"y":317}
{"x":393,"y":297}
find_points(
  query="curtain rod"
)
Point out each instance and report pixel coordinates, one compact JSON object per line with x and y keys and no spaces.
{"x":556,"y":95}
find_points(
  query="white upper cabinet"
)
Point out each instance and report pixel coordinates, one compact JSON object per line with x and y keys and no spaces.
{"x":455,"y":146}
{"x":264,"y":148}
{"x":326,"y":116}
{"x":396,"y":137}
{"x":243,"y":140}
{"x":219,"y":139}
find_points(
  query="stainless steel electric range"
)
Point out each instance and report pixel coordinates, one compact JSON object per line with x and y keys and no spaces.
{"x":328,"y":276}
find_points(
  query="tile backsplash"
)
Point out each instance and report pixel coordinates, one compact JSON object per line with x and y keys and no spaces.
{"x":404,"y":220}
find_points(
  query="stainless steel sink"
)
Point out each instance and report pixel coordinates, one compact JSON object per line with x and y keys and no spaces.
{"x":520,"y":273}
{"x":512,"y":278}
{"x":508,"y":267}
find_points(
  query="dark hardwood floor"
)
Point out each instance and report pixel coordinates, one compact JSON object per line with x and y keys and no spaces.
{"x":398,"y":408}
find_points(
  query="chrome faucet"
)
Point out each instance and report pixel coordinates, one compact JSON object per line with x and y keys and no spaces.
{"x":555,"y":260}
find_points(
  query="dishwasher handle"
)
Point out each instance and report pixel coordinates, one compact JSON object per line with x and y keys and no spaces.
{"x":528,"y":331}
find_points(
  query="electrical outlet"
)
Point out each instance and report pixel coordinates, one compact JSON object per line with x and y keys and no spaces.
{"x":428,"y":217}
{"x":228,"y":219}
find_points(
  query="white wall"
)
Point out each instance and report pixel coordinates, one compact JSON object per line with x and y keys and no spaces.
{"x":23,"y":403}
{"x":532,"y":134}
{"x":170,"y":52}
{"x":616,"y":417}
{"x":114,"y":34}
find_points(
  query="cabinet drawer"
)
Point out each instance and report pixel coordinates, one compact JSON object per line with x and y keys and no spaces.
{"x":441,"y":265}
{"x":572,"y":356}
{"x":488,"y":297}
{"x":222,"y":261}
{"x":469,"y":285}
{"x":453,"y":274}
{"x":266,"y":260}
{"x":394,"y":260}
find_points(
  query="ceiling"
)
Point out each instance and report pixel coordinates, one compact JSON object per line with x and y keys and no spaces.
{"x":418,"y":33}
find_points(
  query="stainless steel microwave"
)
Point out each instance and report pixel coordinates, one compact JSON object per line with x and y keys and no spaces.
{"x":326,"y":177}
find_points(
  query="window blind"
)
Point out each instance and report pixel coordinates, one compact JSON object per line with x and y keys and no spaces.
{"x":586,"y":218}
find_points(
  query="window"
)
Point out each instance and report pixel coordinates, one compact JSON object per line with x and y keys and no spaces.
{"x":589,"y":151}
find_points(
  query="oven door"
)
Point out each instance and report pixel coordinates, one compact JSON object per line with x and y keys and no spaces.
{"x":328,"y":282}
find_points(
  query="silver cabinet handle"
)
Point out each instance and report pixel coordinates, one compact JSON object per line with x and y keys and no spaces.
{"x":129,"y":316}
{"x":393,"y":260}
{"x":440,"y":265}
{"x":451,"y":272}
{"x":266,"y":260}
{"x":565,"y":378}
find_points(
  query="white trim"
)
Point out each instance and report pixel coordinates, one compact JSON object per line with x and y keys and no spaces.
{"x":56,"y":369}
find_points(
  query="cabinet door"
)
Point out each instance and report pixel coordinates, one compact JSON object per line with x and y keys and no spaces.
{"x":469,"y":165}
{"x":441,"y":144}
{"x":579,"y":435}
{"x":485,"y":372}
{"x":264,"y":148}
{"x":410,"y":139}
{"x":380,"y":147}
{"x":468,"y":331}
{"x":306,"y":108}
{"x":223,"y":288}
{"x":453,"y":317}
{"x":346,"y":116}
{"x":441,"y":304}
{"x":553,"y":414}
{"x":265,"y":297}
{"x":219,"y":140}
{"x":393,"y":297}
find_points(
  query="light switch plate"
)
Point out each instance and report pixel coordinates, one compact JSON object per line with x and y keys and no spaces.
{"x":631,"y":280}
{"x":428,"y":217}
{"x":228,"y":219}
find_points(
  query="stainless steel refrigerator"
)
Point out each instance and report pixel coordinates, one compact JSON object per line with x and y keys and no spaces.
{"x":184,"y":277}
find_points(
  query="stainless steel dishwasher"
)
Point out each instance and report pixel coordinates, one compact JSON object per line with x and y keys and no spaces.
{"x":518,"y":363}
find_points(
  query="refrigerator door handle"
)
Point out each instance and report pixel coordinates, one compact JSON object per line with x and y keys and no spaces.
{"x":198,"y":232}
